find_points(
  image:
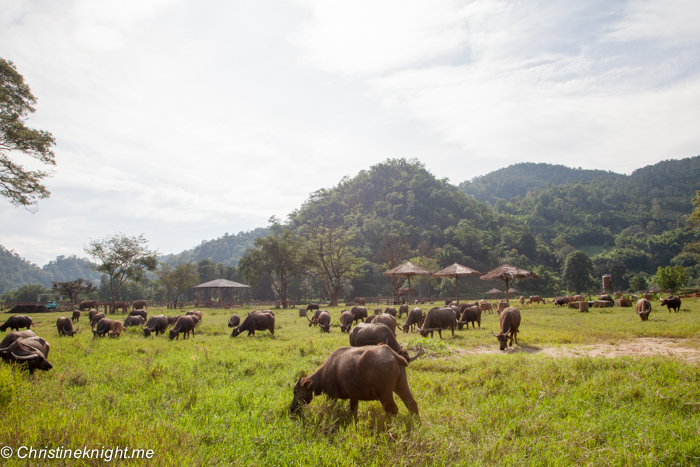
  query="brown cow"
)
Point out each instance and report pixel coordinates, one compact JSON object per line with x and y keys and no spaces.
{"x":510,"y":324}
{"x":115,"y":330}
{"x":366,"y":373}
{"x":643,"y":308}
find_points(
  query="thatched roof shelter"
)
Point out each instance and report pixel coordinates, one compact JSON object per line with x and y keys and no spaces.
{"x":408,"y":270}
{"x":494,"y":291}
{"x":455,"y":271}
{"x":507,"y":273}
{"x":222,"y":284}
{"x":512,"y":290}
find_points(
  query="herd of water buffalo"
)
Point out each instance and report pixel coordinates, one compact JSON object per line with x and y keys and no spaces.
{"x":373,"y":367}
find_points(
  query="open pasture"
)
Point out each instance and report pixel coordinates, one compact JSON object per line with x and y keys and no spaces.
{"x":214,"y":400}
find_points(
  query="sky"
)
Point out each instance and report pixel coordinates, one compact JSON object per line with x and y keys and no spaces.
{"x":185,"y":120}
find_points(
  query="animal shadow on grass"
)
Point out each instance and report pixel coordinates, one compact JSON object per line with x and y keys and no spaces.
{"x":523,"y":349}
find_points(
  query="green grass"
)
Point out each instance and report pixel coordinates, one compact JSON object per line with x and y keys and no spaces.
{"x":213,"y":400}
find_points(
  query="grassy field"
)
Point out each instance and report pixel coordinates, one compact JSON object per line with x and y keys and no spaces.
{"x":214,"y":400}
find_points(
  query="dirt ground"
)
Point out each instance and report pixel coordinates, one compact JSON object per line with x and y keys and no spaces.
{"x":686,"y":349}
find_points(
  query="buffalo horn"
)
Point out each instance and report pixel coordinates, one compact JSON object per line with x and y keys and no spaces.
{"x":494,"y":335}
{"x":28,"y":357}
{"x":506,"y":332}
{"x":420,"y":352}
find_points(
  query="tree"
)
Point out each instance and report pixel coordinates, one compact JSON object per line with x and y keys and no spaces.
{"x":22,"y":187}
{"x":578,"y":271}
{"x":122,"y":258}
{"x":332,"y":258}
{"x":275,"y":258}
{"x":178,"y":280}
{"x":74,"y":288}
{"x":670,"y":278}
{"x":394,"y":248}
{"x":693,"y":222}
{"x":26,"y":293}
{"x":638,"y":283}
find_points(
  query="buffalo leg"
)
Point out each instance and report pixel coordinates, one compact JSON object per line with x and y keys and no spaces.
{"x":390,"y":406}
{"x":353,"y":407}
{"x":404,"y":392}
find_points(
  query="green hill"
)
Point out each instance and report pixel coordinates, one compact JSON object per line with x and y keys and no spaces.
{"x":227,"y":249}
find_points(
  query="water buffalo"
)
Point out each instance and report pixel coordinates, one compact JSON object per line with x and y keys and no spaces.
{"x":234,"y":321}
{"x":94,"y":319}
{"x":141,"y":313}
{"x":522,"y":300}
{"x":643,"y":308}
{"x":403,"y":309}
{"x":196,"y":313}
{"x":87,"y":304}
{"x":173,"y":319}
{"x":388,"y":320}
{"x":134,"y":321}
{"x":120,"y":304}
{"x":184,"y":324}
{"x":65,"y":327}
{"x":14,"y":335}
{"x":139,"y":305}
{"x":102,"y":327}
{"x":671,"y":302}
{"x":438,"y":319}
{"x":33,"y":351}
{"x":510,"y":323}
{"x":472,"y":315}
{"x":324,"y":321}
{"x":561,"y":301}
{"x":91,"y":313}
{"x":115,"y":330}
{"x":256,"y":322}
{"x":415,"y":318}
{"x":312,"y":306}
{"x":359,"y":313}
{"x":346,"y":320}
{"x":502,"y":305}
{"x":156,"y":324}
{"x":377,"y":333}
{"x":535,"y":299}
{"x":390,"y":310}
{"x":606,"y":297}
{"x":360,"y":374}
{"x":360,"y":301}
{"x":17,"y":321}
{"x":313,"y":321}
{"x":76,"y":316}
{"x":485,"y":305}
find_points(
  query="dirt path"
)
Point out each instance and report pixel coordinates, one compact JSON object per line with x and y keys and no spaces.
{"x":683,"y":348}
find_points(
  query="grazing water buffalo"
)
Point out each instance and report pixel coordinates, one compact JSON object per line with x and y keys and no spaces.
{"x":94,"y":319}
{"x":115,"y":330}
{"x":502,"y":305}
{"x":359,"y":313}
{"x":360,"y":301}
{"x":472,"y":315}
{"x":403,"y":309}
{"x":120,"y":304}
{"x":438,"y":319}
{"x":671,"y":303}
{"x":33,"y":351}
{"x":139,"y":305}
{"x":256,"y":322}
{"x":156,"y":324}
{"x":103,"y":327}
{"x":65,"y":327}
{"x":196,"y":313}
{"x":141,"y":313}
{"x":643,"y":308}
{"x":535,"y":299}
{"x":312,"y":306}
{"x":16,"y":322}
{"x":367,"y":373}
{"x":388,"y":320}
{"x":14,"y":335}
{"x":185,"y":325}
{"x":510,"y":323}
{"x":377,"y":333}
{"x":173,"y":319}
{"x":234,"y":321}
{"x":87,"y":304}
{"x":606,"y":297}
{"x":313,"y":321}
{"x":346,"y":320}
{"x":76,"y":316}
{"x":134,"y":321}
{"x":91,"y":313}
{"x":390,"y":310}
{"x":522,"y":300}
{"x":415,"y":318}
{"x":561,"y":301}
{"x":324,"y":321}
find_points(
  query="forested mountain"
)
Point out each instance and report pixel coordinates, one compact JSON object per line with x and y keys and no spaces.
{"x":227,"y":249}
{"x":519,"y":179}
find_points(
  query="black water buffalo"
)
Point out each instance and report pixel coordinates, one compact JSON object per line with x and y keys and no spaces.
{"x":234,"y":321}
{"x":415,"y":318}
{"x":256,"y":322}
{"x":377,"y":333}
{"x":14,"y":335}
{"x":185,"y":325}
{"x":65,"y":327}
{"x":386,"y":319}
{"x":313,"y":321}
{"x":390,"y":310}
{"x":91,"y":313}
{"x":95,"y":318}
{"x":472,"y":315}
{"x":139,"y":312}
{"x":324,"y":321}
{"x":16,"y":322}
{"x":360,"y":374}
{"x":438,"y":319}
{"x":359,"y":313}
{"x":87,"y":304}
{"x":346,"y":320}
{"x":606,"y":297}
{"x":643,"y":308}
{"x":157,"y":324}
{"x":134,"y":321}
{"x":561,"y":301}
{"x":197,"y":314}
{"x":510,"y":324}
{"x":102,"y":327}
{"x":33,"y":351}
{"x":173,"y":319}
{"x":360,"y":301}
{"x":403,"y":309}
{"x":76,"y":316}
{"x":139,"y":305}
{"x":671,"y":302}
{"x":312,"y":306}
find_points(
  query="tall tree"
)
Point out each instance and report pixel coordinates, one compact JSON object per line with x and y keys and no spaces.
{"x":332,"y":258}
{"x":178,"y":280}
{"x":74,"y":288}
{"x":122,"y":258}
{"x":276,"y":258}
{"x":670,"y":278}
{"x":578,"y":271}
{"x":22,"y":187}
